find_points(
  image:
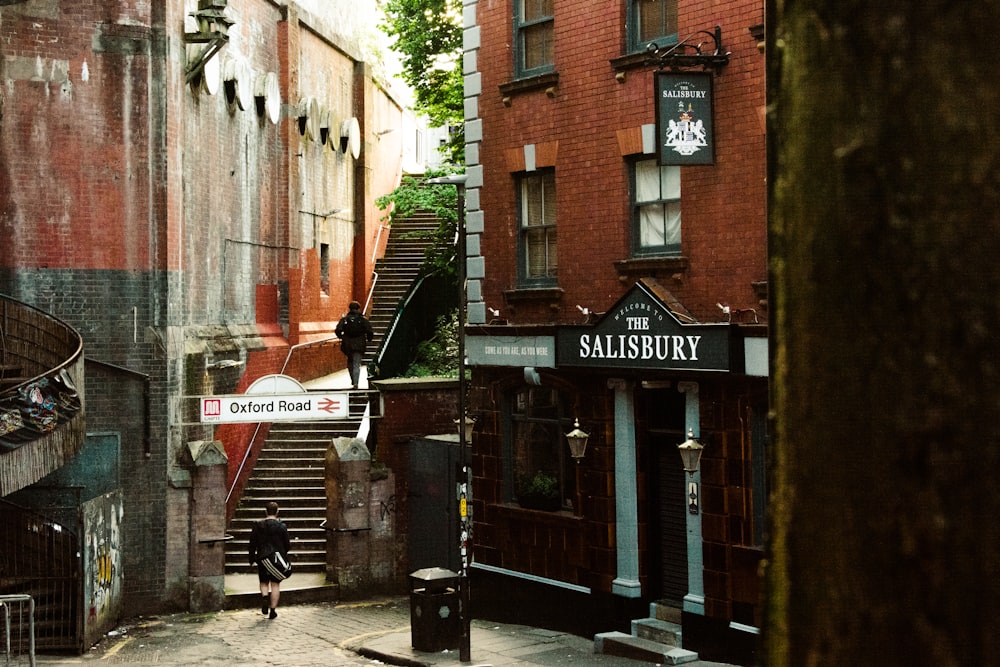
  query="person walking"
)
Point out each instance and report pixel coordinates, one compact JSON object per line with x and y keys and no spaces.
{"x":355,"y":332}
{"x":268,"y":536}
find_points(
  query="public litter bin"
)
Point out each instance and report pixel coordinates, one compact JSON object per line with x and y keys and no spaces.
{"x":435,"y":623}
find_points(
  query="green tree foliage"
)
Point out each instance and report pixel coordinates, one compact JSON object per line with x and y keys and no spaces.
{"x":441,"y":200}
{"x":428,"y":37}
{"x":438,"y":356}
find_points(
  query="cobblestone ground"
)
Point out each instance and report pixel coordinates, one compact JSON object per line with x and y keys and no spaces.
{"x":302,"y":636}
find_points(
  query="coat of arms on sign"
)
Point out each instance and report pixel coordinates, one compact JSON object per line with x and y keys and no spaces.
{"x":687,"y":134}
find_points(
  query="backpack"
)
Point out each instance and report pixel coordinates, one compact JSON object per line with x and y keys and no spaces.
{"x":354,"y":325}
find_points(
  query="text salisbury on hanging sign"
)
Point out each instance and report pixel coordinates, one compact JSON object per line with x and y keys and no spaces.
{"x":684,"y":129}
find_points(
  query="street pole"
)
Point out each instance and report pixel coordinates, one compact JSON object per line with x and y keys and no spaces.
{"x":464,"y":478}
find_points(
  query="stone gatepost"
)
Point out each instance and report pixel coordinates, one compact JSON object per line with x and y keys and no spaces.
{"x":348,"y":490}
{"x":207,"y":552}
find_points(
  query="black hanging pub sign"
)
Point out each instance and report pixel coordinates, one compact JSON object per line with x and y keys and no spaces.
{"x":685,"y":132}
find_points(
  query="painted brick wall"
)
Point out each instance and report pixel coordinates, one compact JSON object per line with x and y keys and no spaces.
{"x":163,"y":221}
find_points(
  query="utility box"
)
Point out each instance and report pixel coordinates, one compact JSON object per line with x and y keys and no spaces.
{"x":435,"y":622}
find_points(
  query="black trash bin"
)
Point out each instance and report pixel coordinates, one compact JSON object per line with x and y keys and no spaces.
{"x":435,"y":624}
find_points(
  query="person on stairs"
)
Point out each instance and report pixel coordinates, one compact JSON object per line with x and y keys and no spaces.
{"x":268,"y":536}
{"x":355,"y":332}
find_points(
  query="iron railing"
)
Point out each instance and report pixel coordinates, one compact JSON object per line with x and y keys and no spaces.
{"x":18,"y":636}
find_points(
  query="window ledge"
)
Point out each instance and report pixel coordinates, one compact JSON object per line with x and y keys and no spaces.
{"x":545,"y":82}
{"x":513,"y":509}
{"x":523,"y":295}
{"x":631,"y":61}
{"x":655,"y":267}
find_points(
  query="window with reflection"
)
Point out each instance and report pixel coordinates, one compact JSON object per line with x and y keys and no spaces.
{"x":538,"y":465}
{"x":652,"y":21}
{"x":534,"y":34}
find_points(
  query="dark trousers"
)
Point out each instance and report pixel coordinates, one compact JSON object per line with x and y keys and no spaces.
{"x":354,"y":367}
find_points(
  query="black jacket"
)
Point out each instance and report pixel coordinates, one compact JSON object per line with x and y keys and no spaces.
{"x":355,"y":343}
{"x":266,"y":537}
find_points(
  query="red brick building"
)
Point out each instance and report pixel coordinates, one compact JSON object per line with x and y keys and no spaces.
{"x":182,"y":211}
{"x":617,"y":266}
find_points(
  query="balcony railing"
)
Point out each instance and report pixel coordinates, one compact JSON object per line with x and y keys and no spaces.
{"x":41,"y":397}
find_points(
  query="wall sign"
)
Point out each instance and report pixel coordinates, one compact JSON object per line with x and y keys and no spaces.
{"x":536,"y":351}
{"x":641,"y":332}
{"x":685,"y":133}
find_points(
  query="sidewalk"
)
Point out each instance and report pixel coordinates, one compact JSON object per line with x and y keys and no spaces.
{"x":328,"y":634}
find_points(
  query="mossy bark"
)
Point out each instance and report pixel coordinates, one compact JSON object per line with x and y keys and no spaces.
{"x":884,"y":177}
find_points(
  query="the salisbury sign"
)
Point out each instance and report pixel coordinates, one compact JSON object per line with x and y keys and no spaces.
{"x":684,"y":110}
{"x":641,"y":332}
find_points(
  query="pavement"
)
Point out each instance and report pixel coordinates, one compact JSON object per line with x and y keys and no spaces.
{"x":327,"y":634}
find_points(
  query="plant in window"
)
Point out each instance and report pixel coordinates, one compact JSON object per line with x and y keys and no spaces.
{"x":540,"y":492}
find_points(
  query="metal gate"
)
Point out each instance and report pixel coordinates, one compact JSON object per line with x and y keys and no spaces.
{"x":40,"y":558}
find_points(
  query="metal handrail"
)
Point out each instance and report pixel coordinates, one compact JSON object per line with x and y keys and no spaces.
{"x":5,"y":601}
{"x":371,"y":292}
{"x":74,"y":356}
{"x":256,"y":431}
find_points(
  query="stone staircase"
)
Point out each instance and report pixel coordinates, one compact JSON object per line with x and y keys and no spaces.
{"x":290,"y":469}
{"x":654,"y":639}
{"x":397,"y":271}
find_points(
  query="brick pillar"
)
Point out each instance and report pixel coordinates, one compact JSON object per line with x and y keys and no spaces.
{"x":348,"y":493}
{"x":207,"y":554}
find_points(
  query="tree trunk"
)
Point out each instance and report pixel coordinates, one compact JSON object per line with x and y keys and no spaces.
{"x":884,"y":177}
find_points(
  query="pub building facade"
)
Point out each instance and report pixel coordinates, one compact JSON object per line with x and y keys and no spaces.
{"x":616,"y":286}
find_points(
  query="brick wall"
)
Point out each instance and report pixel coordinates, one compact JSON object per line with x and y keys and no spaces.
{"x":723,"y":205}
{"x":163,"y":223}
{"x":414,"y":407}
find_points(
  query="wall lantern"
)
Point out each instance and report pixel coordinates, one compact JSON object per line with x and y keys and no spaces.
{"x":690,"y":451}
{"x":213,"y":30}
{"x":577,"y":440}
{"x":469,"y":425}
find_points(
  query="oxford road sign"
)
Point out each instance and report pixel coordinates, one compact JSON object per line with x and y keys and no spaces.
{"x":248,"y":408}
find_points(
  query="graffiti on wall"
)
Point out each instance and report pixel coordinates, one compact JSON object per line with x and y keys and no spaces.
{"x":102,"y":562}
{"x":387,"y":508}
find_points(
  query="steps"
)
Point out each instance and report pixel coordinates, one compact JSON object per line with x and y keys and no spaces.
{"x":290,"y":468}
{"x":397,"y":270}
{"x":291,"y":471}
{"x":654,"y":639}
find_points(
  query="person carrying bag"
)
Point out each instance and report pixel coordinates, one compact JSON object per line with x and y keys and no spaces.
{"x":269,"y":547}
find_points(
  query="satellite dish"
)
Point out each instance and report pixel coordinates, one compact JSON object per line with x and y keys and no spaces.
{"x":350,"y":137}
{"x":267,"y":94}
{"x":237,"y":84}
{"x":211,"y":75}
{"x":325,"y":121}
{"x":308,"y":117}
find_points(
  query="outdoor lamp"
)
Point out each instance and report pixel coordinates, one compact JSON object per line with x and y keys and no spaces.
{"x":577,"y":440}
{"x":469,"y":424}
{"x":690,"y":451}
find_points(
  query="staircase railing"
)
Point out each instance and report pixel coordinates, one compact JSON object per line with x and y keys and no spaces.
{"x":239,"y":477}
{"x":41,"y":409}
